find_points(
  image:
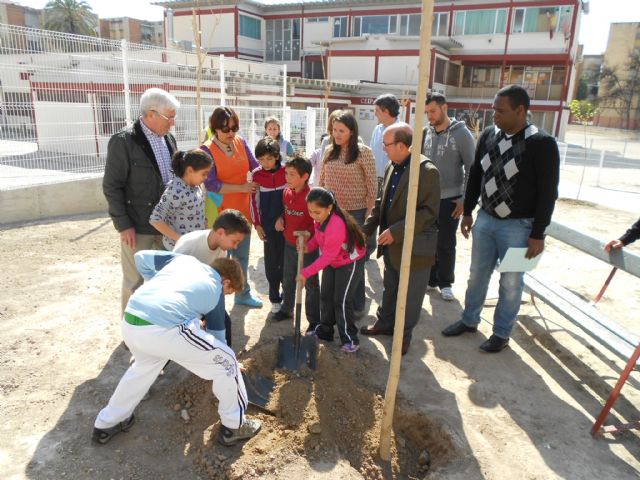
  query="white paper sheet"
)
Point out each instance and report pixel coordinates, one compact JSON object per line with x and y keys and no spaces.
{"x":514,"y":261}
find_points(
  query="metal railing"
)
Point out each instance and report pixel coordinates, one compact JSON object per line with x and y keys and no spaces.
{"x":63,"y":96}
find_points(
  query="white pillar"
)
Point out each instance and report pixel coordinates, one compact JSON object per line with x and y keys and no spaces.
{"x":284,"y":87}
{"x":125,"y":81}
{"x":222,"y":82}
{"x":310,"y":140}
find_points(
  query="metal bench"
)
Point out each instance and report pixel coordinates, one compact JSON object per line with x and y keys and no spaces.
{"x":585,"y":315}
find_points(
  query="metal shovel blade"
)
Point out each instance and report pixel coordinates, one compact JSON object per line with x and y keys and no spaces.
{"x":259,"y":389}
{"x":296,"y":352}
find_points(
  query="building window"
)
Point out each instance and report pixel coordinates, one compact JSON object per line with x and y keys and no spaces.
{"x":440,"y":70}
{"x":371,"y":24}
{"x":409,"y":25}
{"x":542,"y":19}
{"x":480,"y":22}
{"x":313,"y":69}
{"x":440,"y":25}
{"x":317,"y":20}
{"x":250,"y":27}
{"x":283,"y":40}
{"x":453,"y":75}
{"x":480,"y":77}
{"x":340,"y":27}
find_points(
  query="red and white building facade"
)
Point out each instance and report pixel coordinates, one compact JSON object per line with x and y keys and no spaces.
{"x":477,"y":46}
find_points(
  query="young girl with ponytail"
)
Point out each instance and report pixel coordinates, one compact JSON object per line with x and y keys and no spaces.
{"x":181,"y":207}
{"x":342,"y":247}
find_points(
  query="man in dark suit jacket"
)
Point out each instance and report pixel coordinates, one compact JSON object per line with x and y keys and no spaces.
{"x":389,"y":214}
{"x":136,"y":173}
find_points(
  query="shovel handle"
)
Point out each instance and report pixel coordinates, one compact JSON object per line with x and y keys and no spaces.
{"x":300,"y":241}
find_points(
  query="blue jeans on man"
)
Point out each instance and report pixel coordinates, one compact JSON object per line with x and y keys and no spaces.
{"x":492,"y":237}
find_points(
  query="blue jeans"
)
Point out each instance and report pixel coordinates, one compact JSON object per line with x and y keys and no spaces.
{"x":242,"y":255}
{"x":492,"y":237}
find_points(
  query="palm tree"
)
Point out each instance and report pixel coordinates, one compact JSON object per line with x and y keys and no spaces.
{"x":70,"y":16}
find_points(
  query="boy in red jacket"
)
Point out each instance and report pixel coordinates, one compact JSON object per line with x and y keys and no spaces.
{"x":296,"y":218}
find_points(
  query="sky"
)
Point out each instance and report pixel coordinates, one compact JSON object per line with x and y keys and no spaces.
{"x":594,"y":30}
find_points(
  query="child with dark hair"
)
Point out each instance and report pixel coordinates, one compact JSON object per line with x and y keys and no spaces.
{"x":266,"y":208}
{"x":343,"y":246}
{"x":296,"y":219}
{"x":181,"y":207}
{"x":272,"y":130}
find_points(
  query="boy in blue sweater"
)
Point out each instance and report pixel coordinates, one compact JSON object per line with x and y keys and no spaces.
{"x":162,"y":322}
{"x":266,"y":208}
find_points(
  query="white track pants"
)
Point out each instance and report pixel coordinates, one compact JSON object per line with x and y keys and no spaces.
{"x":187,"y":345}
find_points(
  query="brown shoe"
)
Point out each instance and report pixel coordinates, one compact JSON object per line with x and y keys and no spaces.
{"x":373,"y":330}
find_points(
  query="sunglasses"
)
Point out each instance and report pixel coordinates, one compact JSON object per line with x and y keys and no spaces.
{"x":230,"y":129}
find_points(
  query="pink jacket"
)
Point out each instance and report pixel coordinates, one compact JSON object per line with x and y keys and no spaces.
{"x":331,"y":238}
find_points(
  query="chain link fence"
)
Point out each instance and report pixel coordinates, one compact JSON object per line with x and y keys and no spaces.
{"x":63,"y":96}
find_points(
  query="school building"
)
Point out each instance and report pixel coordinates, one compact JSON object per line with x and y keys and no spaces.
{"x":477,"y":46}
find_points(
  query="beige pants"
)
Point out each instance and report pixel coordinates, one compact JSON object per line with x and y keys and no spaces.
{"x":131,"y":279}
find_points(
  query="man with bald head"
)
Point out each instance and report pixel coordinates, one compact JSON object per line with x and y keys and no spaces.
{"x":389,"y":215}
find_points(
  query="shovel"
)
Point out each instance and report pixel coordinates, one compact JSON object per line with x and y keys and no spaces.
{"x":259,"y":389}
{"x":298,"y":351}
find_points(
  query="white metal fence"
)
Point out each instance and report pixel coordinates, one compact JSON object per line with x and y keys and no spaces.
{"x":63,"y":96}
{"x":612,"y":166}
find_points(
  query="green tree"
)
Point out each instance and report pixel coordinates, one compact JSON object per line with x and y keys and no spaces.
{"x":70,"y":16}
{"x":620,"y":90}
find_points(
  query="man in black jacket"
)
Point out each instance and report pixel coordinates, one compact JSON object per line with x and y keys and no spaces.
{"x":515,"y":176}
{"x":137,"y":170}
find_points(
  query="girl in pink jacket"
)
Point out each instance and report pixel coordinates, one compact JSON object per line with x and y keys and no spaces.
{"x":342,"y":248}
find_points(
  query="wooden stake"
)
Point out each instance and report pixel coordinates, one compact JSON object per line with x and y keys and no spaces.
{"x":407,"y":247}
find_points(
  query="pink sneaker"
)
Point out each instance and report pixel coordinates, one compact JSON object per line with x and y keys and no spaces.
{"x":350,"y":348}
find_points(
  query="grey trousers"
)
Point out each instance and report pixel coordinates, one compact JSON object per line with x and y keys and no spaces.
{"x":386,"y":314}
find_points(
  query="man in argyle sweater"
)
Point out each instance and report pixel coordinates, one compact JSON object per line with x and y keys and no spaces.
{"x":515,"y":178}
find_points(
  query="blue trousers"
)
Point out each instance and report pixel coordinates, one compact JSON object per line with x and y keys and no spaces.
{"x":492,"y":237}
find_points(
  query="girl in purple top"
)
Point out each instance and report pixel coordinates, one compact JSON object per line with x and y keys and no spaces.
{"x":342,"y":248}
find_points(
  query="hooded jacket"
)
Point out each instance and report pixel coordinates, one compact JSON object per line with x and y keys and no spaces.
{"x":452,"y":152}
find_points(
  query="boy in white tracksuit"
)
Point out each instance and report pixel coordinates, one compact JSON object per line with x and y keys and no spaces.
{"x":162,"y":322}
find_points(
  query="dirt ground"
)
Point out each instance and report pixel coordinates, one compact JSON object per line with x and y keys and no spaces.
{"x":522,"y":414}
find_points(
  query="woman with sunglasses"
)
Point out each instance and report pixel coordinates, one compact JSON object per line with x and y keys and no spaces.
{"x":229,"y":183}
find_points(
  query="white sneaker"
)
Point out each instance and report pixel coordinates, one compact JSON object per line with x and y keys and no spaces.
{"x":447,"y":294}
{"x":275,"y":307}
{"x":431,"y":288}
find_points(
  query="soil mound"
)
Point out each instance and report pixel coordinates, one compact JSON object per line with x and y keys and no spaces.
{"x":325,"y":416}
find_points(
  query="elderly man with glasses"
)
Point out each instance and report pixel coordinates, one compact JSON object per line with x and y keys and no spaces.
{"x":136,"y":173}
{"x":388,"y":216}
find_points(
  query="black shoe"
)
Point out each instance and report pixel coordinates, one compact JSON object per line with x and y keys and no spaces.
{"x":458,"y":328}
{"x":373,"y":330}
{"x":103,"y":435}
{"x":279,"y":316}
{"x":494,"y":344}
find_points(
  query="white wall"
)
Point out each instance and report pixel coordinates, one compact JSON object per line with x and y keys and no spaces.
{"x":316,"y":32}
{"x":351,"y":68}
{"x":398,"y":70}
{"x":218,"y":30}
{"x":66,"y":127}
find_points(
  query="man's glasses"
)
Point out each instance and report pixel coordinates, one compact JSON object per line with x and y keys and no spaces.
{"x":387,"y":145}
{"x":233,"y":129}
{"x":168,"y":119}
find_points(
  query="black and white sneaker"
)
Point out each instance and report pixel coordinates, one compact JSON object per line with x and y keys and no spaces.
{"x":103,"y":435}
{"x":231,"y":436}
